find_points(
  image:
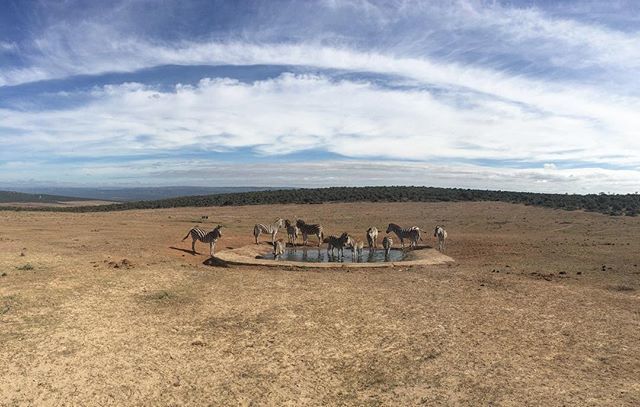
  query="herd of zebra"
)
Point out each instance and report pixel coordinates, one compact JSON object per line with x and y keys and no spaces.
{"x":339,"y":243}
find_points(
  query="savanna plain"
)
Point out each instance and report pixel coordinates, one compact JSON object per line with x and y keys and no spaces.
{"x":540,"y":307}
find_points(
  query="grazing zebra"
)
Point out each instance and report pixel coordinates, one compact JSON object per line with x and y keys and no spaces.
{"x":387,"y":242}
{"x":441,"y":234}
{"x":268,"y":229}
{"x":198,"y":234}
{"x":292,"y":232}
{"x":278,"y":248}
{"x":372,"y":237}
{"x":337,"y":243}
{"x":310,"y":229}
{"x":412,"y":233}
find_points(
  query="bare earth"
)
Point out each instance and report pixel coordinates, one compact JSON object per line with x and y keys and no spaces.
{"x":540,"y":307}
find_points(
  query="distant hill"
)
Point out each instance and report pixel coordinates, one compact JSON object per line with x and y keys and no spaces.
{"x":628,"y":204}
{"x":136,"y":193}
{"x":21,"y":197}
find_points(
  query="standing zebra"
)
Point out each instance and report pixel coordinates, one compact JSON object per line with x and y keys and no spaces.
{"x":198,"y":234}
{"x":441,"y":234}
{"x":310,"y":229}
{"x":337,"y":243}
{"x":292,"y":232}
{"x":372,"y":237}
{"x":387,"y":242}
{"x":268,"y":229}
{"x":412,"y":233}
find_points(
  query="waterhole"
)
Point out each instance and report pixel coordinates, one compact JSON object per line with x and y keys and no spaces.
{"x":314,"y":255}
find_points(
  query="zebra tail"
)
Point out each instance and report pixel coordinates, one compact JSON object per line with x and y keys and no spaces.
{"x":188,"y":234}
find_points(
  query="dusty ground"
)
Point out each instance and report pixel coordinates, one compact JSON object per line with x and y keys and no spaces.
{"x":541,"y":307}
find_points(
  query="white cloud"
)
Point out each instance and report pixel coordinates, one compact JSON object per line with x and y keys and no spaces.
{"x":8,"y":46}
{"x":298,"y":112}
{"x":479,"y":111}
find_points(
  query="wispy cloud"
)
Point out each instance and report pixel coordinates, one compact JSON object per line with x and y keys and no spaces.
{"x":462,"y":80}
{"x":298,"y":112}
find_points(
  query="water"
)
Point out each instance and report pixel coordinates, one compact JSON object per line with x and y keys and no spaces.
{"x":313,"y":255}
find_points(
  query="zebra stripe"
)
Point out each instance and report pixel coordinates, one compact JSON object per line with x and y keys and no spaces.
{"x":339,"y":243}
{"x":272,"y":230}
{"x":372,"y":237}
{"x":198,"y":234}
{"x":412,"y":233}
{"x":441,"y":234}
{"x":292,"y":232}
{"x":310,"y":229}
{"x":387,"y":242}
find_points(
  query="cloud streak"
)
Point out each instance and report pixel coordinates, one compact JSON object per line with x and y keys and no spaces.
{"x":459,"y":81}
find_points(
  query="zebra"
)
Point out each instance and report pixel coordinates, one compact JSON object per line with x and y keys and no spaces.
{"x":292,"y":232}
{"x":337,"y":243}
{"x":412,"y":233}
{"x":356,"y":247}
{"x":268,"y":229}
{"x":198,"y":234}
{"x":278,"y":248}
{"x":387,"y":242}
{"x":372,"y":237}
{"x":310,"y":229}
{"x":441,"y":234}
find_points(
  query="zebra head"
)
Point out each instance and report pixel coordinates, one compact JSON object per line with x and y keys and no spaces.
{"x":287,"y":223}
{"x":300,"y":223}
{"x":437,"y":230}
{"x":392,"y":227}
{"x":279,"y":223}
{"x":219,"y":229}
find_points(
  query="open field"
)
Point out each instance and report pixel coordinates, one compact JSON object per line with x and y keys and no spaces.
{"x":541,"y":307}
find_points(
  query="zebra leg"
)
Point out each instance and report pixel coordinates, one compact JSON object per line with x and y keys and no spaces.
{"x":193,"y":246}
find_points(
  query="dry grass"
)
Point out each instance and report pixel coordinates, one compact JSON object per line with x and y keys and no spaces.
{"x":510,"y":323}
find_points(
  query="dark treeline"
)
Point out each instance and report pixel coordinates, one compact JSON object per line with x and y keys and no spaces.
{"x":11,"y":196}
{"x":608,"y":204}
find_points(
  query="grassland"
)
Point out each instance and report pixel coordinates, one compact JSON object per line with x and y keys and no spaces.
{"x":539,"y":308}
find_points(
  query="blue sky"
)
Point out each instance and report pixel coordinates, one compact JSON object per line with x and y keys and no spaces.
{"x":525,"y":95}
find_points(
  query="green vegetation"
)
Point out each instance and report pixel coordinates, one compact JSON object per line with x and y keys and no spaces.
{"x":628,"y":204}
{"x":10,"y":196}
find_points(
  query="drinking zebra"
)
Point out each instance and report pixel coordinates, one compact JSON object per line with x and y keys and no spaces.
{"x":372,"y":237}
{"x":387,"y":242}
{"x":412,"y":233}
{"x":310,"y":229}
{"x":292,"y":232}
{"x":198,"y":234}
{"x":272,"y":230}
{"x":337,"y":243}
{"x":356,"y":247}
{"x":441,"y":234}
{"x":278,"y":248}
